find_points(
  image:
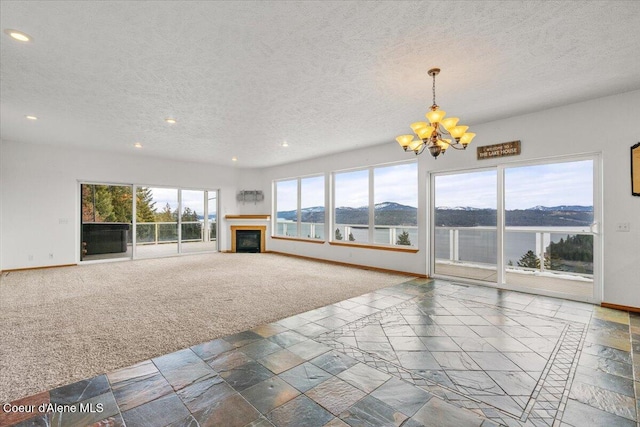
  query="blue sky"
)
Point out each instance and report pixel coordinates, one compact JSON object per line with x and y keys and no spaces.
{"x":193,"y":199}
{"x":555,"y":184}
{"x":569,"y":183}
{"x":397,"y":183}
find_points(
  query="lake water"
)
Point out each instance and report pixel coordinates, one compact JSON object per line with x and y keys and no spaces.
{"x":474,"y":245}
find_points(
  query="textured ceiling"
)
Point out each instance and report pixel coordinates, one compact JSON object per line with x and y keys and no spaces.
{"x":241,"y":77}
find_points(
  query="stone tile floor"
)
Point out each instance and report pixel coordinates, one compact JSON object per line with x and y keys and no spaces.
{"x":422,"y":353}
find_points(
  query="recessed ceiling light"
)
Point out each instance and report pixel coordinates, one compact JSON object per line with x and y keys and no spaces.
{"x":31,"y":117}
{"x":170,"y":121}
{"x":234,"y":159}
{"x":18,"y":35}
{"x":285,"y":144}
{"x":137,"y":145}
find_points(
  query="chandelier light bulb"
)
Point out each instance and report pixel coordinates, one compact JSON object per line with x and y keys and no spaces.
{"x":18,"y":35}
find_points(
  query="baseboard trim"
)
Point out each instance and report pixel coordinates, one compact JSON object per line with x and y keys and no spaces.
{"x":345,"y":264}
{"x":38,"y":268}
{"x":620,"y":307}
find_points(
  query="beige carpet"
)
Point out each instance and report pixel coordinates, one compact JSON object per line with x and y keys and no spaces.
{"x":65,"y":324}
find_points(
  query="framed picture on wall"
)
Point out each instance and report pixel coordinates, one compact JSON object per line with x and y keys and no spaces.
{"x":635,"y":169}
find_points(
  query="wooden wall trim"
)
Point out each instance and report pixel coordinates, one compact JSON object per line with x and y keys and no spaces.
{"x":376,"y":247}
{"x":345,"y":264}
{"x":38,"y":268}
{"x":298,"y":239}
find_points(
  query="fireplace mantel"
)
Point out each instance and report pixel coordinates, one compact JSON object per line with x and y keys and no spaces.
{"x":264,"y":217}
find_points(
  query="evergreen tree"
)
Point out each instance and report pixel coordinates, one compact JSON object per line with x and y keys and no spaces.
{"x":403,"y":239}
{"x":529,"y":260}
{"x":145,"y":206}
{"x":145,"y":213}
{"x":121,"y":199}
{"x":193,"y":229}
{"x":338,"y":234}
{"x":102,"y":204}
{"x":351,"y":238}
{"x":88,"y":210}
{"x":167,"y":215}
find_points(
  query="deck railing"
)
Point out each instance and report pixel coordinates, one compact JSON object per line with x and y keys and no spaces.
{"x":383,"y":234}
{"x":478,"y":245}
{"x":154,"y":233}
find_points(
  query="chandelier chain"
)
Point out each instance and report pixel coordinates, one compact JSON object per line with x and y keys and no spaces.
{"x":434,"y":89}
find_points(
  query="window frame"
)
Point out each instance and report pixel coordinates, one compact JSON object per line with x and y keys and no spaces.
{"x":298,"y":236}
{"x":371,"y":211}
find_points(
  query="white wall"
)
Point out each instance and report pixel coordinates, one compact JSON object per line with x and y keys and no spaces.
{"x":40,"y":195}
{"x":608,"y":126}
{"x":39,"y":207}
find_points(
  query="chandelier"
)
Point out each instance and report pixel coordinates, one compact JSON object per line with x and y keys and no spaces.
{"x":430,"y":135}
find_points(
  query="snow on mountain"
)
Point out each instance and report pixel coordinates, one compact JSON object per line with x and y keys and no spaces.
{"x":458,"y":208}
{"x":573,"y":208}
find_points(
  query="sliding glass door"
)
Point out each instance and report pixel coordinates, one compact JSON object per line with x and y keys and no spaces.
{"x":167,"y":221}
{"x":464,"y":222}
{"x":198,"y":221}
{"x":156,"y":222}
{"x":105,"y":221}
{"x":530,"y":227}
{"x":549,"y":227}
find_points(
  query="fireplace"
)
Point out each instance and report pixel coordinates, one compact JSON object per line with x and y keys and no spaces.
{"x":248,"y":241}
{"x":248,"y":238}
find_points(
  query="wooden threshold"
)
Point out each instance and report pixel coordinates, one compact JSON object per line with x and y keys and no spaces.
{"x":620,"y":307}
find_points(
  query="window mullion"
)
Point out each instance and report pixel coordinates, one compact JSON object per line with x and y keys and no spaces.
{"x":299,"y":207}
{"x":371,"y":207}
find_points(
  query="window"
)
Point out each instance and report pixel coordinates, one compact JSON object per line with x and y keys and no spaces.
{"x":377,"y":205}
{"x":300,"y":208}
{"x":530,"y":227}
{"x":312,"y":207}
{"x":351,"y":206}
{"x":166,"y":221}
{"x":395,"y":192}
{"x":106,"y":221}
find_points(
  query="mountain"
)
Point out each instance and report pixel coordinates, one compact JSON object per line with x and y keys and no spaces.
{"x":541,"y":216}
{"x":392,"y":206}
{"x":572,"y":208}
{"x":458,"y":208}
{"x":391,"y":213}
{"x":386,"y":213}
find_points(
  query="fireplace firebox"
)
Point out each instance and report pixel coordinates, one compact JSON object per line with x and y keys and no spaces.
{"x":248,"y":238}
{"x":248,"y":241}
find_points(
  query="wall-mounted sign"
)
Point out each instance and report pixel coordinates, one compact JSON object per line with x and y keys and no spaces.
{"x":499,"y":150}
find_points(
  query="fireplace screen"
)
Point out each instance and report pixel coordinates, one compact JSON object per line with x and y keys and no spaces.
{"x":248,"y":241}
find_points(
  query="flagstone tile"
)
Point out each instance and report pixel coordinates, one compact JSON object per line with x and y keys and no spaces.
{"x":305,"y":376}
{"x":300,"y":411}
{"x":335,"y":395}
